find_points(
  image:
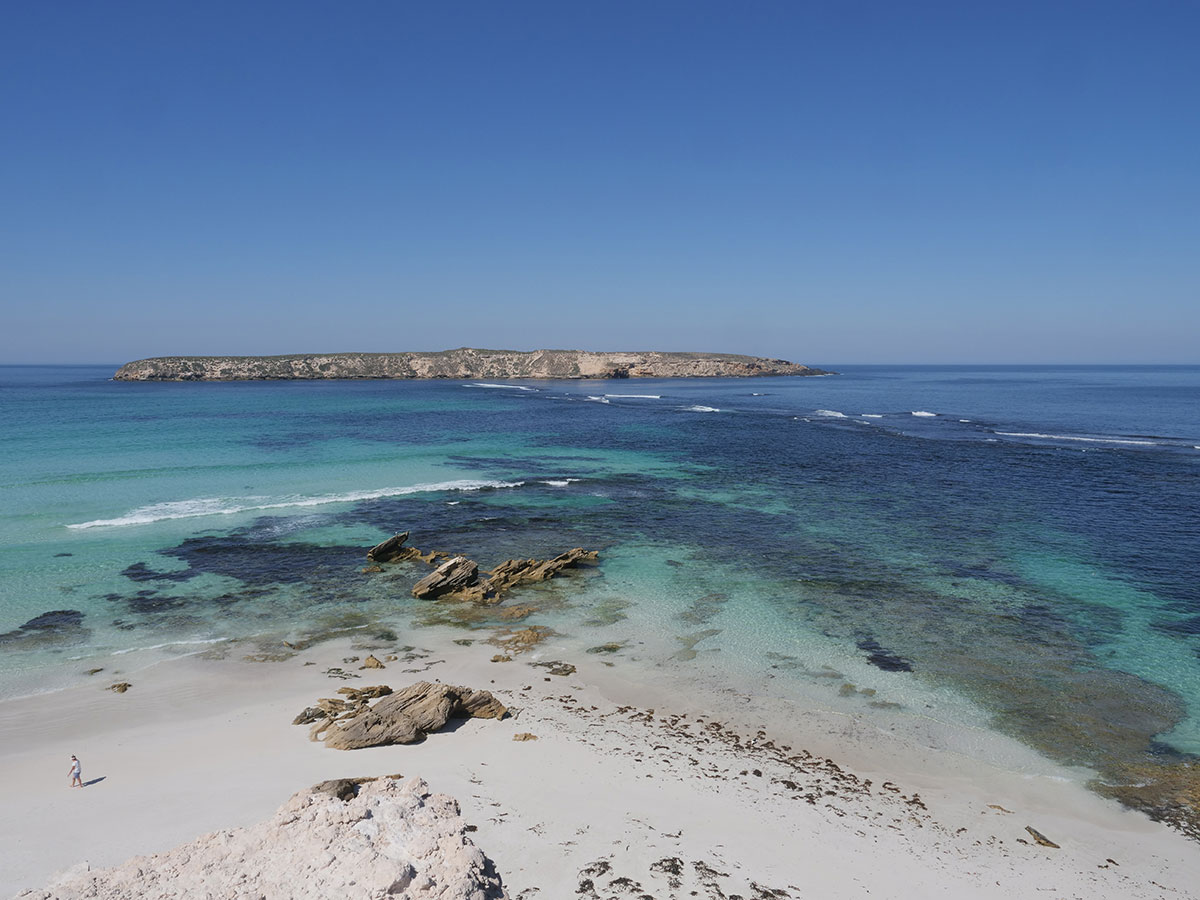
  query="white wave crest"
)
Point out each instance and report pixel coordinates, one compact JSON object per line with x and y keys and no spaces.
{"x":923,"y":414}
{"x":830,"y":413}
{"x":227,"y":506}
{"x":636,"y":396}
{"x":596,"y":399}
{"x":1071,"y":437}
{"x":871,"y":416}
{"x":559,"y":482}
{"x":700,"y":409}
{"x":511,"y":387}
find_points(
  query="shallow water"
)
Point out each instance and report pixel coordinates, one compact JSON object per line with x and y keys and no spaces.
{"x":1017,"y":542}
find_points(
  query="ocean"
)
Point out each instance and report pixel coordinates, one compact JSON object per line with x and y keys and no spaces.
{"x":1008,"y":548}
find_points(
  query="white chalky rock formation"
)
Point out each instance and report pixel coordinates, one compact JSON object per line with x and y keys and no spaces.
{"x":393,"y":839}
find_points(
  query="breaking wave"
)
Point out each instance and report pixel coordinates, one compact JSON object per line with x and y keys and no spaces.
{"x":1071,"y":437}
{"x":700,"y":409}
{"x":922,"y":413}
{"x":227,"y":506}
{"x":511,"y":387}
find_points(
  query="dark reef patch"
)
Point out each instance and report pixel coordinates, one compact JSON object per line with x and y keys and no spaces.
{"x":884,"y":659}
{"x":139,"y":571}
{"x":1179,"y":627}
{"x":152,"y":602}
{"x":50,"y":629}
{"x":255,"y":561}
{"x":56,"y":618}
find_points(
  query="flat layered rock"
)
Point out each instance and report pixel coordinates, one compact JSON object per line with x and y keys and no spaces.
{"x":516,"y":572}
{"x":458,"y":578}
{"x":455,"y":574}
{"x":403,"y":717}
{"x":390,"y":549}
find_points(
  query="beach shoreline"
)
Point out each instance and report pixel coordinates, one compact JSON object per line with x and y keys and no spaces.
{"x":632,"y":764}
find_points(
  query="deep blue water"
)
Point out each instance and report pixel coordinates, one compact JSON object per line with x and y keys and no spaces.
{"x":1023,"y":537}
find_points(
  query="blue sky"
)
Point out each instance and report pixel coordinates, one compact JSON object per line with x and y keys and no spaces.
{"x":830,"y":182}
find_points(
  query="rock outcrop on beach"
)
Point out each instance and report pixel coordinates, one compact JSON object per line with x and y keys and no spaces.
{"x":403,"y":717}
{"x":465,"y":362}
{"x":353,"y":838}
{"x":458,"y":578}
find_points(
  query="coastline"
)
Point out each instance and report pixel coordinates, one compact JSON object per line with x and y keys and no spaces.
{"x":467,"y":363}
{"x":632,"y":764}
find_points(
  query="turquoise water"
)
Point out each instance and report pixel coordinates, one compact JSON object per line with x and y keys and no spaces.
{"x":1023,"y":538}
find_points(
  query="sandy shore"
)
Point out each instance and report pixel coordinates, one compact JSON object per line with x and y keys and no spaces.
{"x":631,"y":777}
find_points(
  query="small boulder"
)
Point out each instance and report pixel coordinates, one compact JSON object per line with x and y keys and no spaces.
{"x":611,"y":647}
{"x":309,"y":715}
{"x":388,"y":550}
{"x":556,"y":667}
{"x":345,"y":789}
{"x":1041,"y":838}
{"x":480,"y":705}
{"x":371,"y":662}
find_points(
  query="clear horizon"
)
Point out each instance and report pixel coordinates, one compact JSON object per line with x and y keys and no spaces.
{"x":919,"y":185}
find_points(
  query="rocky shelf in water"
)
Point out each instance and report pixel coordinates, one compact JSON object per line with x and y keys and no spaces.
{"x":464,"y":363}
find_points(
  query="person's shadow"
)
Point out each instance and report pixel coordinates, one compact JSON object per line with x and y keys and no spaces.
{"x":94,"y":781}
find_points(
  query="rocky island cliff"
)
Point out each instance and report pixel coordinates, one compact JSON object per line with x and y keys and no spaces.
{"x":462,"y":363}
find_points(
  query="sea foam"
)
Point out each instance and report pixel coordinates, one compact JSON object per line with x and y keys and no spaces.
{"x":921,"y":412}
{"x":227,"y":506}
{"x":511,"y":387}
{"x":700,"y":409}
{"x":1071,"y":437}
{"x":198,"y":641}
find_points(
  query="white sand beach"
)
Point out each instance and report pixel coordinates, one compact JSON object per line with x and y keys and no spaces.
{"x":717,"y":793}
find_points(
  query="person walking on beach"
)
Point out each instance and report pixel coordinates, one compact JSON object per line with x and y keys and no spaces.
{"x":76,"y":772}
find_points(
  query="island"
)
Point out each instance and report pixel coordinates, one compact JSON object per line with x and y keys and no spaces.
{"x":464,"y":362}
